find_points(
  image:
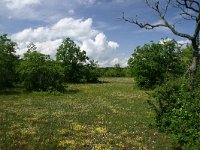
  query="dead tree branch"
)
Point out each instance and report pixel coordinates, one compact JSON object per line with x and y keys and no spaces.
{"x":189,"y":10}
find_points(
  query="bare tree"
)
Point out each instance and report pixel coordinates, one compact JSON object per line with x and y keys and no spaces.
{"x":188,"y":10}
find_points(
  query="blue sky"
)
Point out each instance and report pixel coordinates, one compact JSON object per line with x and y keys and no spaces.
{"x":92,"y":24}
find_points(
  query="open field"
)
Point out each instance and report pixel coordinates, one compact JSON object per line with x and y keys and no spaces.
{"x":110,"y":115}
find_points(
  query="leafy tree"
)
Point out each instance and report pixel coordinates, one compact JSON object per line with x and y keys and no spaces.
{"x":178,"y":107}
{"x":153,"y":63}
{"x":90,"y":72}
{"x":187,"y":10}
{"x":75,"y":62}
{"x":39,"y":73}
{"x":118,"y":71}
{"x":8,"y":62}
{"x":108,"y":72}
{"x":186,"y":54}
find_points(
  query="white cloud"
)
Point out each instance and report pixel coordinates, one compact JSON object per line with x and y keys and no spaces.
{"x":162,"y":41}
{"x":181,"y":43}
{"x":113,"y":45}
{"x":48,"y":38}
{"x":122,"y":61}
{"x":99,"y":46}
{"x":49,"y":47}
{"x":184,"y":42}
{"x":19,"y":4}
{"x":78,"y":29}
{"x":41,"y":10}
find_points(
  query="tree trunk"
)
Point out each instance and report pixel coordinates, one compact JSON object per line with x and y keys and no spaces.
{"x":195,"y":62}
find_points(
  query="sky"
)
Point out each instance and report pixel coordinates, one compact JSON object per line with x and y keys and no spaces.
{"x":94,"y":25}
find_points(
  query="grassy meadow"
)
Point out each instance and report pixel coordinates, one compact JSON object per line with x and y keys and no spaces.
{"x":113,"y":114}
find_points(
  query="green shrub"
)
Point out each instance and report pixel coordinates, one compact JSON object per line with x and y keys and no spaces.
{"x":39,"y":73}
{"x":77,"y":66}
{"x":116,"y":71}
{"x":90,"y":72}
{"x":153,"y":63}
{"x":178,"y":112}
{"x":8,"y":62}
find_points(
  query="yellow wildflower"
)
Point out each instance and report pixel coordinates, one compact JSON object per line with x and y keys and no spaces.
{"x":101,"y":130}
{"x":78,"y":127}
{"x":70,"y":143}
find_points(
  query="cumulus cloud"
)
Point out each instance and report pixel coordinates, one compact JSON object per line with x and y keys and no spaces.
{"x":47,"y":47}
{"x":48,"y":39}
{"x":121,"y":61}
{"x":75,"y":28}
{"x":99,"y":46}
{"x":112,"y":44}
{"x":55,"y":27}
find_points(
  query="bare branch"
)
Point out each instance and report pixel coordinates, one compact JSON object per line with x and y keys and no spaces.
{"x":156,"y":7}
{"x":147,"y":26}
{"x":188,"y":4}
{"x":175,"y":31}
{"x":190,"y":10}
{"x":186,"y":13}
{"x":187,"y":17}
{"x":166,"y":8}
{"x":197,"y":28}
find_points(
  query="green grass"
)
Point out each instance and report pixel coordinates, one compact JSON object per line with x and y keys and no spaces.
{"x":111,"y":115}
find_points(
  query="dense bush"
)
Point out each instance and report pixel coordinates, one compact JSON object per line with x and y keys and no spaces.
{"x":116,"y":71}
{"x":178,"y":112}
{"x":177,"y":107}
{"x":90,"y":72}
{"x":8,"y":62}
{"x":77,"y":66}
{"x":39,"y":73}
{"x":153,"y":63}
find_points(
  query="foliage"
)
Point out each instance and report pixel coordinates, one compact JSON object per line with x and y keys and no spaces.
{"x":116,"y":71}
{"x":178,"y":112}
{"x":39,"y":73}
{"x":8,"y":62}
{"x":153,"y":63}
{"x":187,"y":10}
{"x":186,"y":56}
{"x":90,"y":72}
{"x":75,"y":62}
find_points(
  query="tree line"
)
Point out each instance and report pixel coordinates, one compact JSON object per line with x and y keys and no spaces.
{"x":172,"y":72}
{"x":38,"y":72}
{"x":159,"y":66}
